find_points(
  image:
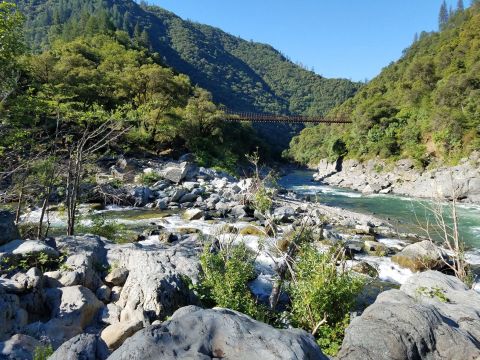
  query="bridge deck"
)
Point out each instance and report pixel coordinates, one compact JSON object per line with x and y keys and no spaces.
{"x":273,"y":118}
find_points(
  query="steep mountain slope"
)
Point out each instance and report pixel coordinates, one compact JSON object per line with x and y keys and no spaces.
{"x":241,"y":75}
{"x":425,"y":106}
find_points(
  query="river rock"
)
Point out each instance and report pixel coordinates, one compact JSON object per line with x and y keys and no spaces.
{"x":142,"y":195}
{"x":8,"y":229}
{"x":18,"y":347}
{"x":420,"y":256}
{"x":176,"y":172}
{"x":432,"y":316}
{"x":81,"y":347}
{"x":284,"y":213}
{"x":365,"y":268}
{"x":114,"y":335}
{"x":12,"y":316}
{"x":193,"y":214}
{"x":28,"y":247}
{"x":154,"y":284}
{"x":375,"y":248}
{"x":72,"y":309}
{"x":217,"y":333}
{"x":110,"y":314}
{"x":190,"y":197}
{"x":117,"y":276}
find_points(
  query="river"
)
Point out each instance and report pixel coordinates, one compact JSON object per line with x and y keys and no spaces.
{"x":405,"y":214}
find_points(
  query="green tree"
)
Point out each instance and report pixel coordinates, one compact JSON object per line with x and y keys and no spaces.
{"x":11,"y":40}
{"x":443,"y":15}
{"x":460,"y":5}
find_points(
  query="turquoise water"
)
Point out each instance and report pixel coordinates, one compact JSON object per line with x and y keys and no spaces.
{"x":405,"y":214}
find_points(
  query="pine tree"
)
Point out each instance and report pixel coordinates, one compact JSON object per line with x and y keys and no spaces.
{"x":415,"y":38}
{"x":443,"y":15}
{"x":460,"y":5}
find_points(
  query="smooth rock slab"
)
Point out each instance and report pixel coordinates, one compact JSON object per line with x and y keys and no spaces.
{"x":432,"y":316}
{"x":195,"y":333}
{"x":28,"y":247}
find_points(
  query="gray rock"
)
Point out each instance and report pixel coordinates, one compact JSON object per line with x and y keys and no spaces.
{"x":8,"y":229}
{"x":432,"y":316}
{"x":110,"y":314}
{"x":420,"y":256}
{"x":81,"y":347}
{"x":239,"y":211}
{"x":115,"y":295}
{"x":193,"y":214}
{"x":155,"y":284}
{"x":72,"y":310}
{"x":18,"y":347}
{"x":117,"y":276}
{"x":176,"y":172}
{"x":28,"y":247}
{"x":194,"y":333}
{"x":162,"y":204}
{"x":284,"y":213}
{"x":142,"y":195}
{"x":188,"y":198}
{"x":103,"y":293}
{"x":12,"y":317}
{"x":178,"y":194}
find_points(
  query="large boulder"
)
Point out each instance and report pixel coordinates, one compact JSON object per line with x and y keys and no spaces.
{"x":421,"y":256}
{"x":114,"y":335}
{"x":81,"y":347}
{"x":176,"y":172}
{"x":19,"y":347}
{"x":28,"y":247}
{"x":12,"y":316}
{"x":8,"y":229}
{"x":432,"y":316}
{"x":155,"y":282}
{"x":72,"y":310}
{"x":195,"y":333}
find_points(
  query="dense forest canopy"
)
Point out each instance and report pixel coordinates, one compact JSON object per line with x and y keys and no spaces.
{"x":107,"y":76}
{"x":426,"y":106}
{"x":241,"y":75}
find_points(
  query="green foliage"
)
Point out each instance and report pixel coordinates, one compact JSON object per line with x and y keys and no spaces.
{"x":433,"y":292}
{"x":11,"y":40}
{"x":101,"y":226}
{"x":254,"y":76}
{"x":42,"y":352}
{"x":425,"y":106}
{"x":225,"y":278}
{"x":149,"y":178}
{"x":323,"y":291}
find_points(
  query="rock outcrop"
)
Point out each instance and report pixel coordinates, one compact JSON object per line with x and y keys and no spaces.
{"x":375,"y":176}
{"x":195,"y":333}
{"x":432,"y":316}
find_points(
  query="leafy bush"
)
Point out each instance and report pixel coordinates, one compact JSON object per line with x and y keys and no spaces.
{"x":102,"y":227}
{"x":149,"y":178}
{"x":42,"y":352}
{"x":225,"y":278}
{"x":322,"y":295}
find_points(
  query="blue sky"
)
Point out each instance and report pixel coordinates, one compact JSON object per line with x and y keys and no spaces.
{"x":339,"y":38}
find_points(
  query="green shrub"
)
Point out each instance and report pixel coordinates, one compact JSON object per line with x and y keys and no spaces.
{"x":225,"y":278}
{"x":323,"y":291}
{"x":42,"y":352}
{"x":102,"y":227}
{"x":149,"y":178}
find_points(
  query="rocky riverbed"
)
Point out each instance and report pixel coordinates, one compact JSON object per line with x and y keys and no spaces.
{"x":404,"y":178}
{"x":94,"y":298}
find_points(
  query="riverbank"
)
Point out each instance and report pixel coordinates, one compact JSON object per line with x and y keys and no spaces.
{"x":404,"y":178}
{"x":96,"y":293}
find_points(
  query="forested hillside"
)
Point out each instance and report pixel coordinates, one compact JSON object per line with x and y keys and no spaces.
{"x":50,"y":100}
{"x":241,"y":75}
{"x":426,"y":106}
